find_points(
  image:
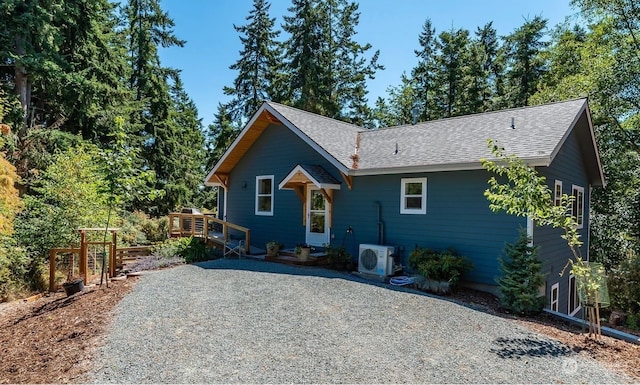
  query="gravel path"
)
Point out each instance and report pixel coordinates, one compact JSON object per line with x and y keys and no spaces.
{"x":247,"y":321}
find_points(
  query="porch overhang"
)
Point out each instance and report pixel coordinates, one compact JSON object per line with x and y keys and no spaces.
{"x":302,"y":175}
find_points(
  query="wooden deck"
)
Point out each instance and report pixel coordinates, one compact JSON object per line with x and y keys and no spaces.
{"x":288,"y":257}
{"x":206,"y":226}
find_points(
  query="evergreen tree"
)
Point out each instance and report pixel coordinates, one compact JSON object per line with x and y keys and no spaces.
{"x":424,"y":74}
{"x":454,"y":54}
{"x":521,"y":277}
{"x":525,"y":63}
{"x":258,"y":65}
{"x":400,"y":106}
{"x":220,"y":135}
{"x":327,"y":70}
{"x":165,"y":124}
{"x":63,"y":62}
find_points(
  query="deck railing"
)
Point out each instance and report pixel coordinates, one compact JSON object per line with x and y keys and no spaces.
{"x":205,"y":226}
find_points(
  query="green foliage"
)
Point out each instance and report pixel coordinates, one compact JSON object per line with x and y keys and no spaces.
{"x":325,"y":67}
{"x":258,"y":65}
{"x":138,"y":228}
{"x":521,"y":277}
{"x":338,"y":257}
{"x":526,"y":65}
{"x":14,"y":266}
{"x":446,"y":265}
{"x":525,"y":193}
{"x":190,"y":249}
{"x":633,"y":321}
{"x":624,"y":282}
{"x":67,"y":196}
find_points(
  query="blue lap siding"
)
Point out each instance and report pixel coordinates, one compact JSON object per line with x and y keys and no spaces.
{"x":554,"y":252}
{"x":457,"y":214}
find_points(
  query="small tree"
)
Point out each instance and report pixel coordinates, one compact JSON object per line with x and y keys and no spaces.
{"x":521,"y":277}
{"x":526,"y":194}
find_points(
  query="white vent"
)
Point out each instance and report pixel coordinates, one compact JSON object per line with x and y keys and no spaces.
{"x":375,"y":260}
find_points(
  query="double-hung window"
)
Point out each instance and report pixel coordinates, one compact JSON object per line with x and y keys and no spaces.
{"x":577,"y":209}
{"x":557,"y":193}
{"x":264,"y":195}
{"x":413,"y":196}
{"x":555,"y":291}
{"x":574,"y":299}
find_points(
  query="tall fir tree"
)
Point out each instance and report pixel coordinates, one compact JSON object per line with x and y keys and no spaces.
{"x":453,"y":46}
{"x":63,"y":62}
{"x":525,"y":63}
{"x":327,"y":68}
{"x":163,"y":108}
{"x":259,"y":63}
{"x":424,"y":74}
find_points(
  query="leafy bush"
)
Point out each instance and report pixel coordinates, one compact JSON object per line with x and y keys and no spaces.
{"x":190,"y":249}
{"x":338,"y":257}
{"x":521,"y":277}
{"x":446,"y":265}
{"x":139,"y":228}
{"x":14,"y":266}
{"x":624,"y":284}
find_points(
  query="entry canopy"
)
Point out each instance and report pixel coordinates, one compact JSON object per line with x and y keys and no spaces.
{"x":303,"y":174}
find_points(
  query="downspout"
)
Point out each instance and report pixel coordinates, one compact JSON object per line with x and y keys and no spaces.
{"x":225,"y":205}
{"x":379,"y":223}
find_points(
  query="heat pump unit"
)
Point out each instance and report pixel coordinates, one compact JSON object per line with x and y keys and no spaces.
{"x":375,"y":260}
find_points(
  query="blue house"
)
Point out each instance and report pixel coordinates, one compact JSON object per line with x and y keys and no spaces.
{"x":294,"y":176}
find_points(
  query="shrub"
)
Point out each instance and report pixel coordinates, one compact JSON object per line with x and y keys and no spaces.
{"x":190,"y":249}
{"x":445,"y":266}
{"x":521,"y":277}
{"x":338,"y":257}
{"x":624,"y":284}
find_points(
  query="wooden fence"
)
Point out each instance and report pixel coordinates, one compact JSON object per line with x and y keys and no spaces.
{"x":89,"y":257}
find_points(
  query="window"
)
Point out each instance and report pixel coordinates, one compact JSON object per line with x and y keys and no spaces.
{"x":577,"y":209}
{"x":555,"y":291}
{"x":264,"y":195}
{"x":413,"y":196}
{"x":574,"y":300}
{"x":557,"y":193}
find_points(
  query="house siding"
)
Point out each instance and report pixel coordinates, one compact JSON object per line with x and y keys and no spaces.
{"x":275,"y":153}
{"x":568,"y":166}
{"x":457,"y":216}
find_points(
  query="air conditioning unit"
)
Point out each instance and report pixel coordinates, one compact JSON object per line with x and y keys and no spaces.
{"x":375,"y":260}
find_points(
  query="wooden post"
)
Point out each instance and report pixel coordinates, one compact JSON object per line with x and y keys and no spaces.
{"x":52,"y":270}
{"x":247,"y":247}
{"x":84,"y":262}
{"x":112,"y":254}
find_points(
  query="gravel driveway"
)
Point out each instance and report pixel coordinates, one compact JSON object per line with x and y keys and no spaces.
{"x":247,"y":321}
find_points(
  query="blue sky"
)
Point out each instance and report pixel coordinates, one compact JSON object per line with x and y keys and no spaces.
{"x":391,"y":26}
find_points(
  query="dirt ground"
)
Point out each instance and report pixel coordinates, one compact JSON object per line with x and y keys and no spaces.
{"x":53,"y":339}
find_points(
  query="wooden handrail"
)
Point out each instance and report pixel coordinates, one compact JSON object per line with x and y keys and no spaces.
{"x":202,"y":231}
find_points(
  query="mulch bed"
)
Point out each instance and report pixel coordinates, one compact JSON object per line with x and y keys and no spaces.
{"x":52,"y":339}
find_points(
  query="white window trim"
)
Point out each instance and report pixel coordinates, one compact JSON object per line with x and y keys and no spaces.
{"x":258,"y":195}
{"x":555,"y":287}
{"x":557,"y":198}
{"x":579,"y":189}
{"x":403,"y":183}
{"x":578,"y":304}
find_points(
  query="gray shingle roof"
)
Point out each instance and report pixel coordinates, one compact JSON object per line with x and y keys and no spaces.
{"x":454,"y":143}
{"x":336,"y":137}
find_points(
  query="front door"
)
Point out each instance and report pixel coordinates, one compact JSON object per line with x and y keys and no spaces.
{"x":317,"y":218}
